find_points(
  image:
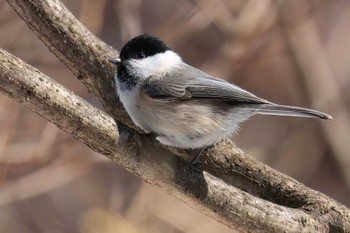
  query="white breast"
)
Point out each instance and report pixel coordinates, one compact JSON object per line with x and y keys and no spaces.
{"x":129,"y":99}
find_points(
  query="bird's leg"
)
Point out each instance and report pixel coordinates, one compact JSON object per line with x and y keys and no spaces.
{"x":190,"y":176}
{"x":198,"y":156}
{"x":195,"y":164}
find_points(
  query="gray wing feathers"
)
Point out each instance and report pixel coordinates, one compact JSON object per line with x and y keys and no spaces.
{"x":196,"y":85}
{"x":199,"y":85}
{"x":162,"y":91}
{"x":214,"y":89}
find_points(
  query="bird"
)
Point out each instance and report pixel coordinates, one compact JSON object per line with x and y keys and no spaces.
{"x":184,"y":106}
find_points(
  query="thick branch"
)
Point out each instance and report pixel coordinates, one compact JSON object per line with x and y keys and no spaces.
{"x":227,"y":204}
{"x":61,"y":32}
{"x":76,"y":47}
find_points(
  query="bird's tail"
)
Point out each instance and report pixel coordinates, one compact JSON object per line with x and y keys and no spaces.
{"x":284,"y":110}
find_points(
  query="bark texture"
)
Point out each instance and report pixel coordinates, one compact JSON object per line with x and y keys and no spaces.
{"x":235,"y":189}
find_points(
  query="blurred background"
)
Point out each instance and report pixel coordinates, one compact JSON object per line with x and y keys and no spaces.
{"x":294,"y":52}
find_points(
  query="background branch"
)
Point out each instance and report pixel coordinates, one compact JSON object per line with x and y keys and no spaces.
{"x":60,"y":31}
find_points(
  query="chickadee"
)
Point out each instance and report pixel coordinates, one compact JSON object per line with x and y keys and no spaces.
{"x":184,"y":106}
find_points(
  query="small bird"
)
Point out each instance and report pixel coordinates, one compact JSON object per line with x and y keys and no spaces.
{"x":182,"y":105}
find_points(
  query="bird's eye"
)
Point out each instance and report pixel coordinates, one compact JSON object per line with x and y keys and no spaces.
{"x":140,"y":55}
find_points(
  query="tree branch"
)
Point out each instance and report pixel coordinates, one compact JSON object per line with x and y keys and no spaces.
{"x":93,"y":127}
{"x":273,"y":201}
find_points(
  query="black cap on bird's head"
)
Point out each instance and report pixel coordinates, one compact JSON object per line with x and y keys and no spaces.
{"x":139,"y":47}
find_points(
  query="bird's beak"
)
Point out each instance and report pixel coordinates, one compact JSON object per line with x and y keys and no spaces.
{"x":115,"y":60}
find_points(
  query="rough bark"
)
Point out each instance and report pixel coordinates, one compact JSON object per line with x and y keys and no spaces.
{"x":270,"y":201}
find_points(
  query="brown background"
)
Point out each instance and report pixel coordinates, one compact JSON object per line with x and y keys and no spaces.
{"x":291,"y":52}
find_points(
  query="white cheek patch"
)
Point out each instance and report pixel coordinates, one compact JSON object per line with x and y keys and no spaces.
{"x":159,"y":63}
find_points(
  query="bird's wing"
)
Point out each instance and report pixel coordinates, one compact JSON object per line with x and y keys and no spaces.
{"x":196,"y":85}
